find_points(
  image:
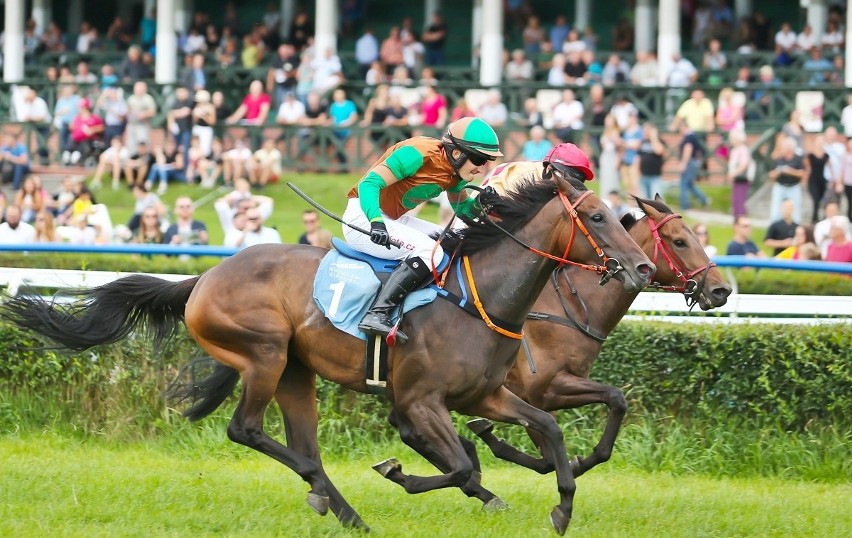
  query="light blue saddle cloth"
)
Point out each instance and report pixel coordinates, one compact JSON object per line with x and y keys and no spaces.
{"x":344,"y":288}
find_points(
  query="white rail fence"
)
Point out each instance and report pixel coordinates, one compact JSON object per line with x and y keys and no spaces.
{"x":649,"y":305}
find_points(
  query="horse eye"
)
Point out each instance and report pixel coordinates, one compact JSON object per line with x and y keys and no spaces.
{"x":680,"y":243}
{"x":597,"y":217}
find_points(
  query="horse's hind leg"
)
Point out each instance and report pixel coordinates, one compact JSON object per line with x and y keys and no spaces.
{"x":261,"y":365}
{"x":296,"y":395}
{"x":473,"y":487}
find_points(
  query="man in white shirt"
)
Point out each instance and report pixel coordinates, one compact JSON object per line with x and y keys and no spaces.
{"x":14,"y":231}
{"x":291,"y":110}
{"x":646,"y":71}
{"x":846,"y":117}
{"x":682,"y":72}
{"x":836,"y":151}
{"x":366,"y":51}
{"x":33,"y":109}
{"x":567,"y":116}
{"x":116,"y":157}
{"x":255,"y":232}
{"x":141,"y":107}
{"x":806,"y":40}
{"x":493,"y":111}
{"x":786,"y":38}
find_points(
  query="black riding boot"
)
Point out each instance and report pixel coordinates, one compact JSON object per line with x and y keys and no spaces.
{"x":401,"y":282}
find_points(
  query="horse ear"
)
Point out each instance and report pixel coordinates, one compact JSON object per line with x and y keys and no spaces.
{"x":564,"y":186}
{"x":639,"y":204}
{"x":659,"y":198}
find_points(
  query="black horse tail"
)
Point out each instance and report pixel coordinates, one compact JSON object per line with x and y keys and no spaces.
{"x":105,"y":314}
{"x":206,"y":393}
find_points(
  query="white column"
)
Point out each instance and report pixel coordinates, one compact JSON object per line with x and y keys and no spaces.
{"x":166,"y":62}
{"x":181,"y":15}
{"x":75,"y":18}
{"x":325,"y":36}
{"x":645,"y":26}
{"x":288,"y":13}
{"x":491,"y":44}
{"x":668,"y":39}
{"x":848,"y":73}
{"x":817,"y":18}
{"x":13,"y":42}
{"x":742,"y":8}
{"x":429,"y":7}
{"x":41,"y":13}
{"x":582,"y":15}
{"x":476,"y":30}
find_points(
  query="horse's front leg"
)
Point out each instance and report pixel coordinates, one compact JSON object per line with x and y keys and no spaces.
{"x":425,"y":424}
{"x":473,"y":488}
{"x":564,"y":392}
{"x":504,"y":406}
{"x":570,"y":392}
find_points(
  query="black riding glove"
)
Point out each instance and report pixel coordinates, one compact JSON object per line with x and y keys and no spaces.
{"x":487,"y":198}
{"x":379,"y":234}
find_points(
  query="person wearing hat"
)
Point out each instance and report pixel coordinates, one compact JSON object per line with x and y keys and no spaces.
{"x":565,"y":160}
{"x":86,"y":128}
{"x":203,"y":120}
{"x":406,"y":175}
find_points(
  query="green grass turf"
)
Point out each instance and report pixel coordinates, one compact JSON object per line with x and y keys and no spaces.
{"x":55,"y":486}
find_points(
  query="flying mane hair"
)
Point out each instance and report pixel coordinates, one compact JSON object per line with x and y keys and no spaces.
{"x":630,"y":219}
{"x":514,"y":209}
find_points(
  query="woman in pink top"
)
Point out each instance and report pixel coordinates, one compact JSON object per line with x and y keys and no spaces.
{"x":462,"y":110}
{"x":840,"y":248}
{"x":433,"y":107}
{"x":729,"y":115}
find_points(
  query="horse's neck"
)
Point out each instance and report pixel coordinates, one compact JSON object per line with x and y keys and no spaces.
{"x":510,"y":278}
{"x":599,"y":307}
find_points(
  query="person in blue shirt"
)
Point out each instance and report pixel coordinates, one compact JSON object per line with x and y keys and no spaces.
{"x":741,"y":245}
{"x":536,"y":148}
{"x":14,"y":160}
{"x":818,"y":66}
{"x":343,"y":114}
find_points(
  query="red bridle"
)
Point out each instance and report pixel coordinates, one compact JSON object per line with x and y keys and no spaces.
{"x":610,"y":265}
{"x":690,"y":286}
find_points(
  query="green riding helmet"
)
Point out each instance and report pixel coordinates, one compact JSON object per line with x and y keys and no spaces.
{"x":473,"y":138}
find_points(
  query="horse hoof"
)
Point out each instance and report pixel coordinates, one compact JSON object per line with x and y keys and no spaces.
{"x":495,"y":505}
{"x":319,"y":503}
{"x":388,"y":466}
{"x":480,"y":426}
{"x":559,"y":520}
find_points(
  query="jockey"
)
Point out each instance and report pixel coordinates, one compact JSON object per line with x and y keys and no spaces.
{"x":565,"y":160}
{"x":408,"y":174}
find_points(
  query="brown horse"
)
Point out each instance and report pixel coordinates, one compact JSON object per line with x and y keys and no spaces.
{"x":254,"y":313}
{"x":575,"y":315}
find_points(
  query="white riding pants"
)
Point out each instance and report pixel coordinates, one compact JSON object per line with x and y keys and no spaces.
{"x":411,"y":231}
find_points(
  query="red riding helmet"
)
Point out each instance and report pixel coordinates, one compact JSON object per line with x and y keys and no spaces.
{"x":566,"y":156}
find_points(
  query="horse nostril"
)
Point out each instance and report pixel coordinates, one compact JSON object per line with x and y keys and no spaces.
{"x":646,"y":269}
{"x":721,"y":292}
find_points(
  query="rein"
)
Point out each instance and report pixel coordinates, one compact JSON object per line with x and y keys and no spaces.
{"x":610,"y":266}
{"x":690,"y":288}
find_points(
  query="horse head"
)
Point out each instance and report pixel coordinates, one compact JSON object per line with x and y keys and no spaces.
{"x":606,"y":241}
{"x":682,"y":264}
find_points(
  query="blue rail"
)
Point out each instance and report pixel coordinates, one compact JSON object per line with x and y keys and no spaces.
{"x":222,"y":252}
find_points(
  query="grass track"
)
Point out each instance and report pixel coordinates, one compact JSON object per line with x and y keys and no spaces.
{"x":56,"y":486}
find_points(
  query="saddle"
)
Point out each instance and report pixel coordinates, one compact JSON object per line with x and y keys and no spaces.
{"x":346,"y":283}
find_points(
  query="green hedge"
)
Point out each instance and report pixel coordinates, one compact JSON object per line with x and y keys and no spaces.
{"x":748,"y":281}
{"x":779,"y":374}
{"x":775,"y":375}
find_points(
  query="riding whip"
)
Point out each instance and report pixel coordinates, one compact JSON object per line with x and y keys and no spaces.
{"x":327,"y":213}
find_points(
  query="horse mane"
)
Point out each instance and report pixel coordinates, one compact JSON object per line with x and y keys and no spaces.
{"x":629,"y":219}
{"x":514,"y":209}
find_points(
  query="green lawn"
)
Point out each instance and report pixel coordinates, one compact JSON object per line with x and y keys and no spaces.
{"x":55,"y":486}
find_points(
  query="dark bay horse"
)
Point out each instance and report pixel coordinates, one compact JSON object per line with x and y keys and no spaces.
{"x":574,"y":315}
{"x":255,"y":315}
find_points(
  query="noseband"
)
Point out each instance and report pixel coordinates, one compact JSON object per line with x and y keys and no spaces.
{"x":690,"y":287}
